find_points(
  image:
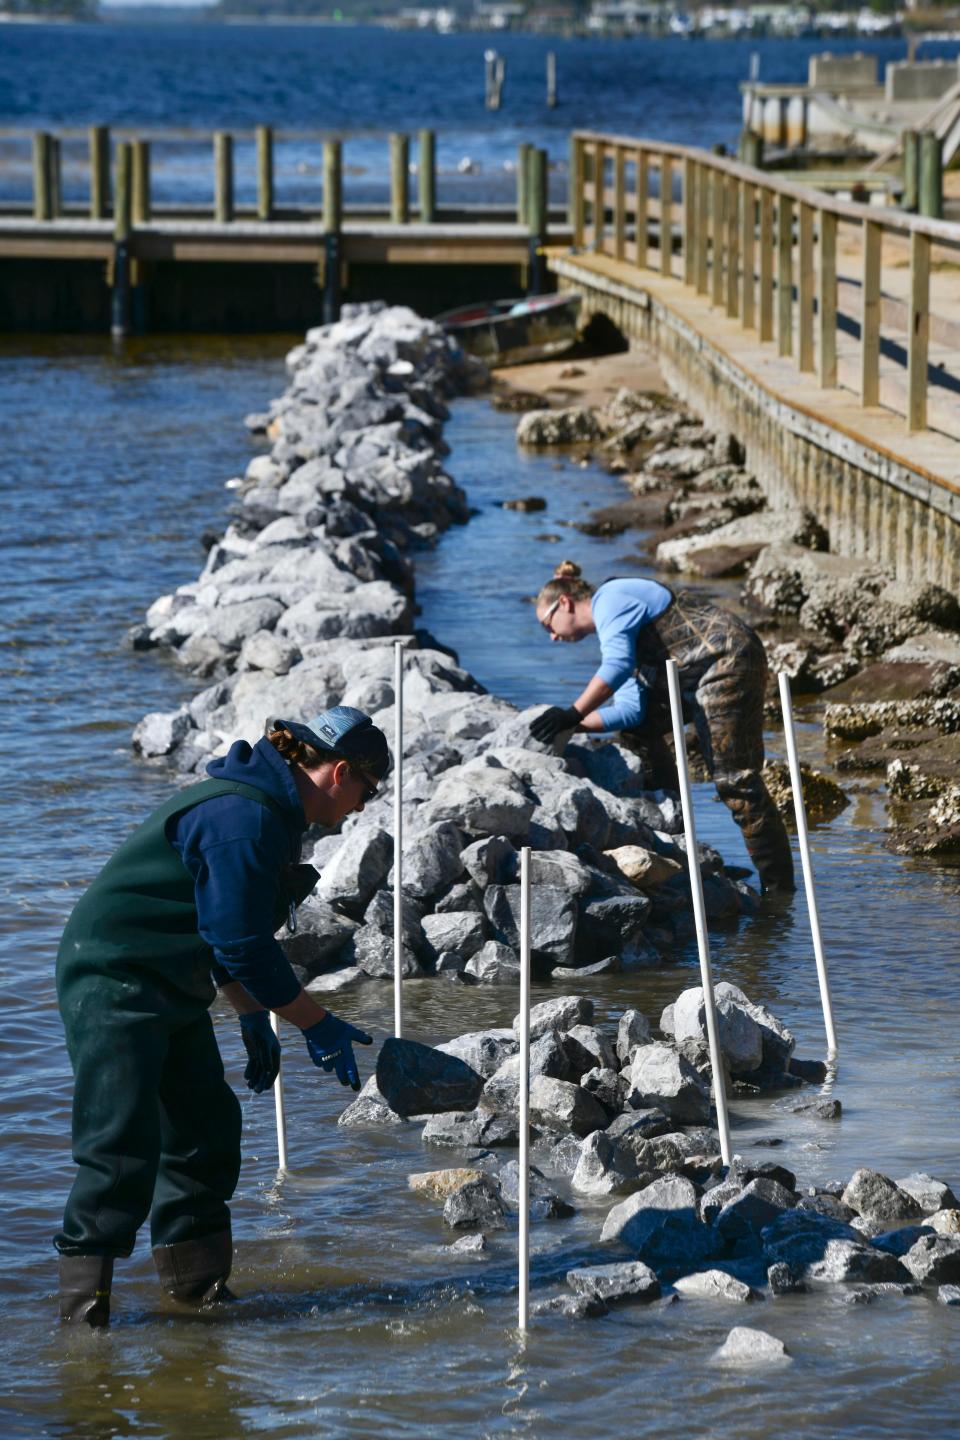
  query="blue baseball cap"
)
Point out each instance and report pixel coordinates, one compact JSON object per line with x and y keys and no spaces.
{"x":347,"y":733}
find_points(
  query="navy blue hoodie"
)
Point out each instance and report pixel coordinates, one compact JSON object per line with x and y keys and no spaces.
{"x":235,"y":849}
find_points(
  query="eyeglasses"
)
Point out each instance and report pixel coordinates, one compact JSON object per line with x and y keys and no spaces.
{"x":549,"y":614}
{"x":371,"y":787}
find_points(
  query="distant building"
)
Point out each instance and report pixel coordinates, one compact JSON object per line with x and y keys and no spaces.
{"x":498,"y":14}
{"x":622,"y":15}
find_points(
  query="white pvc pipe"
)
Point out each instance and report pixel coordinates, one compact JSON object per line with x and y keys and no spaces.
{"x":398,"y":839}
{"x":801,"y":814}
{"x":278,"y":1103}
{"x":524,"y":1102}
{"x":699,"y":912}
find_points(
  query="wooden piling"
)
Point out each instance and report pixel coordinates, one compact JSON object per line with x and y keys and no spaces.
{"x":784,"y":275}
{"x":99,"y":143}
{"x":122,"y":228}
{"x":42,"y":193}
{"x":523,"y":152}
{"x":930,"y":187}
{"x":56,"y":176}
{"x":140,"y":202}
{"x":575,"y":191}
{"x":399,"y":179}
{"x":264,"y":135}
{"x":919,"y":340}
{"x":870,"y":315}
{"x":332,"y":225}
{"x":910,"y":198}
{"x":537,"y":211}
{"x":427,"y":177}
{"x":222,"y":177}
{"x":551,"y":79}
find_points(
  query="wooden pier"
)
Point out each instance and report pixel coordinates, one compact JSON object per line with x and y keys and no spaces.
{"x":123,"y":259}
{"x":825,"y":334}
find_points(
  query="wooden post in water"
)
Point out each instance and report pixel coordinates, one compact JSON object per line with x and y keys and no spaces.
{"x":141,"y":182}
{"x":332,"y":225}
{"x":99,"y":141}
{"x":222,"y":177}
{"x":523,"y":163}
{"x":930,"y":186}
{"x":42,"y":196}
{"x":919,"y":332}
{"x":122,"y":226}
{"x":427,"y":187}
{"x":264,"y":172}
{"x":537,"y":211}
{"x":399,"y":179}
{"x":910,"y":198}
{"x":551,"y":79}
{"x":784,"y":275}
{"x":870,"y":315}
{"x":827,"y":300}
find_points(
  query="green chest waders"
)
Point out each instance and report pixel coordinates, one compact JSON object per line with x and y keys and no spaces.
{"x":156,"y":1129}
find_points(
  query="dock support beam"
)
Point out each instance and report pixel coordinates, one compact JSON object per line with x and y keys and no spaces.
{"x":399,"y":179}
{"x":264,"y":172}
{"x":537,"y":212}
{"x":428,"y":177}
{"x":42,"y":176}
{"x":122,"y":229}
{"x":332,"y":223}
{"x":99,"y":140}
{"x":141,"y":181}
{"x":222,"y":177}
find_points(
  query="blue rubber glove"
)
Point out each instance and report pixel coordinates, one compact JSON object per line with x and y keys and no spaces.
{"x":263,"y":1051}
{"x":330,"y":1043}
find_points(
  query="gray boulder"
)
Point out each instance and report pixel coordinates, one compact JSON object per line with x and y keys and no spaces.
{"x":491,"y":860}
{"x":373,"y":952}
{"x":660,"y":1077}
{"x":660,"y":1223}
{"x":357,"y":869}
{"x":877,"y":1198}
{"x":482,"y":802}
{"x":431,"y":860}
{"x":747,"y":1347}
{"x":934,"y":1260}
{"x":417,"y":1080}
{"x":714,"y":1285}
{"x":553,"y":921}
{"x":756,"y":1206}
{"x":628,"y":1281}
{"x":369,"y":1111}
{"x":606,"y":1086}
{"x":609,"y":924}
{"x":603,"y":1167}
{"x":476,"y":1206}
{"x":544,"y":1202}
{"x":483,"y":1050}
{"x":741,"y":1039}
{"x":930,"y":1194}
{"x":560,"y":1014}
{"x":561,"y":1105}
{"x":632,"y":1032}
{"x":469,"y":1129}
{"x":846,"y":1260}
{"x":459,"y":932}
{"x":595,"y":1043}
{"x":494,"y":964}
{"x":160,"y":732}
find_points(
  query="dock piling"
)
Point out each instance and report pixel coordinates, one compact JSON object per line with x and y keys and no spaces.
{"x":141,"y":181}
{"x":122,"y":229}
{"x":930,"y":186}
{"x":99,"y":143}
{"x":523,"y":153}
{"x":427,"y":180}
{"x":537,"y":213}
{"x":551,"y":79}
{"x":264,"y":172}
{"x":575,"y":191}
{"x":399,"y":179}
{"x":222,"y":177}
{"x":332,"y":224}
{"x":910,"y":198}
{"x":42,"y":176}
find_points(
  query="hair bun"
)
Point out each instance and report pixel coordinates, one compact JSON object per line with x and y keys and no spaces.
{"x":567,"y":570}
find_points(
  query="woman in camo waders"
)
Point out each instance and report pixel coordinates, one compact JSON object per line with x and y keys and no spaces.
{"x":722,"y":670}
{"x":190,"y":903}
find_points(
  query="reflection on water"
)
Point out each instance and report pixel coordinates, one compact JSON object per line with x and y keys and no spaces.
{"x":355,"y":1320}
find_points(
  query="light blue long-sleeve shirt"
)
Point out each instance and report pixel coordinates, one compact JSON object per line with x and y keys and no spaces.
{"x":620,"y":609}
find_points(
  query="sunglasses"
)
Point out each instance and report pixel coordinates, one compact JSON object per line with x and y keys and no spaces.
{"x":371,"y":787}
{"x":549,"y":614}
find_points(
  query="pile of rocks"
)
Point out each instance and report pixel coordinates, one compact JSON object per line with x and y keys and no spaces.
{"x":624,"y":1115}
{"x":298,"y":608}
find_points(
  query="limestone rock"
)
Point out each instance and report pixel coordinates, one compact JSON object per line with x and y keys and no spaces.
{"x":560,"y":1014}
{"x":844,"y":1260}
{"x":714,"y":1285}
{"x":644,"y":867}
{"x":745,"y":1346}
{"x":660,"y":1077}
{"x":930,"y":1194}
{"x":740,"y":1037}
{"x":491,"y":860}
{"x":431,"y":860}
{"x":538,"y":429}
{"x":439,"y":1184}
{"x":160,"y":732}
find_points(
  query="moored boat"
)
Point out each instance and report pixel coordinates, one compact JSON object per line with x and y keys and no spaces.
{"x":514,"y":332}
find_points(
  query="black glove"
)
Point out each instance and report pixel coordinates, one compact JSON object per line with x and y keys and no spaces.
{"x":553,"y":722}
{"x":263,"y":1050}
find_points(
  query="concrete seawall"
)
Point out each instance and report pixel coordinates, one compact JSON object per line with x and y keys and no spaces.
{"x":872,"y":500}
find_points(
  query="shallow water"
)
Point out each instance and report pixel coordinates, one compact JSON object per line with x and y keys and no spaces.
{"x":355,"y":1321}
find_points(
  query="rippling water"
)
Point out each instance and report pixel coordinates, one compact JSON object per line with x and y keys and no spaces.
{"x":356,"y":1322}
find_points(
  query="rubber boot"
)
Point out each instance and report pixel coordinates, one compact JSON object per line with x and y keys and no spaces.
{"x":195,"y":1272}
{"x":85,"y":1282}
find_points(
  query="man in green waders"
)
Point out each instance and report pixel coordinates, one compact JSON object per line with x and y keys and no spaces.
{"x":188,"y":904}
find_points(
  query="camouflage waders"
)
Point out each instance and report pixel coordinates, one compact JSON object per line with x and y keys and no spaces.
{"x":723,"y":671}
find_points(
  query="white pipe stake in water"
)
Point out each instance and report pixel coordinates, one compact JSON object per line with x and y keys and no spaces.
{"x":398,"y":840}
{"x":524,"y":1106}
{"x":278,"y":1103}
{"x":699,"y":912}
{"x":801,"y":814}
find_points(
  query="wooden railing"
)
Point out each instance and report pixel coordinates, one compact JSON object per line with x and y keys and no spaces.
{"x":762,"y":249}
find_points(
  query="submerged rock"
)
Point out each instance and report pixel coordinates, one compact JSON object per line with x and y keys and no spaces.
{"x":748,"y":1347}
